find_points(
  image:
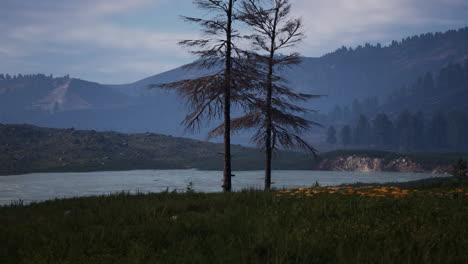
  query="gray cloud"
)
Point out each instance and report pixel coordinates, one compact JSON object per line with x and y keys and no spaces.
{"x":80,"y":21}
{"x":81,"y":37}
{"x":333,"y":23}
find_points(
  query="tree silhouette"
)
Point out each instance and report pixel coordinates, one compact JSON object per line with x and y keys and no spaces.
{"x":459,"y":170}
{"x":382,"y":129}
{"x":362,"y":131}
{"x":438,"y":130}
{"x":210,"y":97}
{"x":331,"y":135}
{"x":273,"y":112}
{"x":345,"y":135}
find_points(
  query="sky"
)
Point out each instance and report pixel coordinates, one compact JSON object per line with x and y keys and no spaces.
{"x":123,"y":41}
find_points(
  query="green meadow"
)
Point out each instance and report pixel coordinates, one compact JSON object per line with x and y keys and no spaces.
{"x":429,"y":224}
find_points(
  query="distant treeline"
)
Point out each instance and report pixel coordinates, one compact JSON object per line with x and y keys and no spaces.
{"x":40,"y":76}
{"x":357,"y":108}
{"x":450,"y":78}
{"x":453,"y":77}
{"x":409,"y":132}
{"x":414,"y":45}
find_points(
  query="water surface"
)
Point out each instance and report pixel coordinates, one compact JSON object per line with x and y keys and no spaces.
{"x":46,"y":186}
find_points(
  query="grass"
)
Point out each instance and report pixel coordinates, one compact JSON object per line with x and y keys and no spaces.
{"x":244,"y":227}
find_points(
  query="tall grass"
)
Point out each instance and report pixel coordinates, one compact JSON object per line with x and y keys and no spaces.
{"x":245,"y":227}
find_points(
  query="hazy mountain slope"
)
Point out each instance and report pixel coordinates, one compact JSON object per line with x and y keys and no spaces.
{"x":141,"y":87}
{"x":144,"y":115}
{"x":454,"y":100}
{"x":66,"y":103}
{"x":47,"y":95}
{"x":25,"y":148}
{"x":342,"y":75}
{"x":374,"y":70}
{"x":445,"y":90}
{"x":354,"y":73}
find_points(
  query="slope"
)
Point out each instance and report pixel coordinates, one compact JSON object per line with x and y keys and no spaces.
{"x":25,"y":149}
{"x":342,"y":75}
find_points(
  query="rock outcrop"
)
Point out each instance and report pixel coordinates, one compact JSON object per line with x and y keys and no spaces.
{"x":370,"y":164}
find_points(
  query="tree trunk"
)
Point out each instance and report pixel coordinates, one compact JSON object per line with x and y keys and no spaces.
{"x":268,"y":143}
{"x":227,"y":185}
{"x":268,"y":156}
{"x":269,"y":121}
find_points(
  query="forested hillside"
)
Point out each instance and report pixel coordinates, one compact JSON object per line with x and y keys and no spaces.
{"x":25,"y":148}
{"x":407,"y":132}
{"x":352,"y":73}
{"x":446,"y":89}
{"x":376,"y":70}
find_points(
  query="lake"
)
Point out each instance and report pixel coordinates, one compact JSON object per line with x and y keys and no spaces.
{"x":46,"y":186}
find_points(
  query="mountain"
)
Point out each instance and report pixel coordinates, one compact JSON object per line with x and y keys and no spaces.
{"x":26,"y":149}
{"x":35,"y":98}
{"x":342,"y":76}
{"x":443,"y":90}
{"x":347,"y":74}
{"x":350,"y":73}
{"x":66,"y":102}
{"x":40,"y":93}
{"x":429,"y":115}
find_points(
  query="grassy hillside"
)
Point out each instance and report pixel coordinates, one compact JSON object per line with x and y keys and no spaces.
{"x":317,"y":225}
{"x":25,"y":148}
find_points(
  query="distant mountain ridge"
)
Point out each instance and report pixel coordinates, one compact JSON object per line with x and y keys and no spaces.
{"x":42,"y":93}
{"x":348,"y":73}
{"x":342,"y":75}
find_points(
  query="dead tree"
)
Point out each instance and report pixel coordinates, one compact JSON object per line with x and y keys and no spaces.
{"x":274,"y":113}
{"x":211,"y":97}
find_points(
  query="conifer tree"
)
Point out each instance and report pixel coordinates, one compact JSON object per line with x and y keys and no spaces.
{"x":438,"y":130}
{"x":456,"y":131}
{"x":346,"y":135}
{"x":418,"y":123}
{"x":274,"y":112}
{"x":405,"y":131}
{"x":331,"y":135}
{"x":362,"y":131}
{"x":382,"y":129}
{"x":211,"y":96}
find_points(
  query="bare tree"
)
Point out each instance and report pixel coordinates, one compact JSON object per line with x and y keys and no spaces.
{"x":210,"y":97}
{"x":274,"y":112}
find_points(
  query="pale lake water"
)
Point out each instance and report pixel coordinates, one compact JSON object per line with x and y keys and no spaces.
{"x":46,"y":186}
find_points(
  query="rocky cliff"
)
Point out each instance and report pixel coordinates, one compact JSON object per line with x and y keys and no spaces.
{"x":363,"y":162}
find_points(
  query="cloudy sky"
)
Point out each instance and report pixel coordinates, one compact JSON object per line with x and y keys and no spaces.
{"x":122,"y":41}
